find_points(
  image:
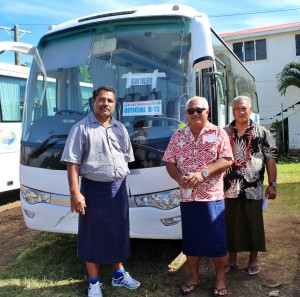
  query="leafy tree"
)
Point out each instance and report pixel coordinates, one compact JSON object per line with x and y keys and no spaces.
{"x":26,"y":64}
{"x":289,"y":76}
{"x":85,"y":75}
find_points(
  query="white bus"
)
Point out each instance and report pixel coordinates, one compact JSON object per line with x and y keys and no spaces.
{"x":12,"y":92}
{"x":156,"y":57}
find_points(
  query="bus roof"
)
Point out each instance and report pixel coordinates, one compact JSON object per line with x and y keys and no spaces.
{"x":14,"y":70}
{"x":135,"y":12}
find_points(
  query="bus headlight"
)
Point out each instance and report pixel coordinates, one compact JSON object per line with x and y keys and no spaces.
{"x":163,"y":200}
{"x":33,"y":196}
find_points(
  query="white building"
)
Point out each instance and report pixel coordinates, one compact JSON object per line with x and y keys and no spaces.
{"x":265,"y":51}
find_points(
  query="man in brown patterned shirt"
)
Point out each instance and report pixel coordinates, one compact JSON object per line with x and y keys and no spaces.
{"x":254,"y":150}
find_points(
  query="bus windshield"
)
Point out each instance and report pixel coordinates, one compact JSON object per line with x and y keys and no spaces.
{"x":147,"y":62}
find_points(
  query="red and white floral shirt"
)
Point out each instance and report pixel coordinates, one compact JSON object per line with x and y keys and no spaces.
{"x":195,"y":156}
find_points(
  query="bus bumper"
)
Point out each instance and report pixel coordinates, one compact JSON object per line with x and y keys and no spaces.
{"x":145,"y":222}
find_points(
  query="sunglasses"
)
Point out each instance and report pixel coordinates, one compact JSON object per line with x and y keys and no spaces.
{"x":199,"y":110}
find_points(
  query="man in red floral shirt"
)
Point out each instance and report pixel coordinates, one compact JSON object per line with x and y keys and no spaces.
{"x":196,"y":158}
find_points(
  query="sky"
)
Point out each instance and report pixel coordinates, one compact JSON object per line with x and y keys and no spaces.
{"x":36,"y":16}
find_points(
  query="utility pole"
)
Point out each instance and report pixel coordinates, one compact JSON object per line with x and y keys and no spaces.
{"x":282,"y":128}
{"x":16,"y":38}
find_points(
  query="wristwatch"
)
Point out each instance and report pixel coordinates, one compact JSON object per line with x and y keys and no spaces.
{"x":205,"y":174}
{"x":273,"y":184}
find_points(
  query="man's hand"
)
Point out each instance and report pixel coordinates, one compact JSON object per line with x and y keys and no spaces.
{"x":187,"y":181}
{"x":270,"y":192}
{"x":78,"y":203}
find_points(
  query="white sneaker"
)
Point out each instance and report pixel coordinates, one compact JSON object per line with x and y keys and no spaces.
{"x":125,"y":281}
{"x":95,"y":290}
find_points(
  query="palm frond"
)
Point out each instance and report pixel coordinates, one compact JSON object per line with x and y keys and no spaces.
{"x":289,"y":76}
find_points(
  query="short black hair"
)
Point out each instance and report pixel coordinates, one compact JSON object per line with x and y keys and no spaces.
{"x":105,"y":88}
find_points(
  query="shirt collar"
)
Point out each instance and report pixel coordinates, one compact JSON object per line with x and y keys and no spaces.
{"x":94,"y":120}
{"x":187,"y":129}
{"x":233,"y":124}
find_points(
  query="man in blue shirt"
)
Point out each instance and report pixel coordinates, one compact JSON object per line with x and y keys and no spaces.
{"x":98,"y":148}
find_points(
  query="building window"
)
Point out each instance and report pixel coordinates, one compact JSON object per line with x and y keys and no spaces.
{"x":297,"y":38}
{"x":249,"y":51}
{"x":252,"y":50}
{"x":261,"y":49}
{"x":238,"y":50}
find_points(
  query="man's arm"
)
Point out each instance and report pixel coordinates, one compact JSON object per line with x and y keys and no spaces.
{"x":193,"y":181}
{"x":214,"y":169}
{"x":77,"y":199}
{"x":175,"y":173}
{"x":272,"y":176}
{"x":219,"y":166}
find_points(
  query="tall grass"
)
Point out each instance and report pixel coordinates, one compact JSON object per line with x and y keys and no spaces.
{"x":47,"y":265}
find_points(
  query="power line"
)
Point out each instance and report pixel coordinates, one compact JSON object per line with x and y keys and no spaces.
{"x":255,"y":12}
{"x":28,"y":24}
{"x":210,"y":16}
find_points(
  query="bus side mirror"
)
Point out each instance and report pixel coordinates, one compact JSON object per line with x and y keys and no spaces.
{"x":202,"y":50}
{"x":21,"y":47}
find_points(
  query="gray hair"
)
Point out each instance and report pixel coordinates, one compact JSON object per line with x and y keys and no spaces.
{"x":242,"y":98}
{"x":204,"y":103}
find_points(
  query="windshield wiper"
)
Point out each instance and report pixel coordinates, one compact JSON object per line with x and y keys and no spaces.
{"x":46,"y":144}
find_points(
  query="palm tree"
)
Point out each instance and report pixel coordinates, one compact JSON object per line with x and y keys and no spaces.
{"x":289,"y":76}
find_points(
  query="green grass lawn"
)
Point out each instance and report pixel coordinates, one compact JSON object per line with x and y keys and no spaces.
{"x":288,"y":190}
{"x":49,"y":268}
{"x":47,"y":264}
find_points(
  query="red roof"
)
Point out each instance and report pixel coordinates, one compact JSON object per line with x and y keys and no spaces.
{"x":262,"y":29}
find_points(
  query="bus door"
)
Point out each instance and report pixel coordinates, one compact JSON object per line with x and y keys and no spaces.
{"x":221,"y":94}
{"x":212,"y":85}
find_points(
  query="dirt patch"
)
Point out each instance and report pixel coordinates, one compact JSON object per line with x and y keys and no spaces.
{"x":280,"y":265}
{"x":14,"y":233}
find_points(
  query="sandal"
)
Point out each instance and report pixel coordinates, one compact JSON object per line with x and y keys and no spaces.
{"x":184,"y":290}
{"x":220,"y":292}
{"x":253,"y":270}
